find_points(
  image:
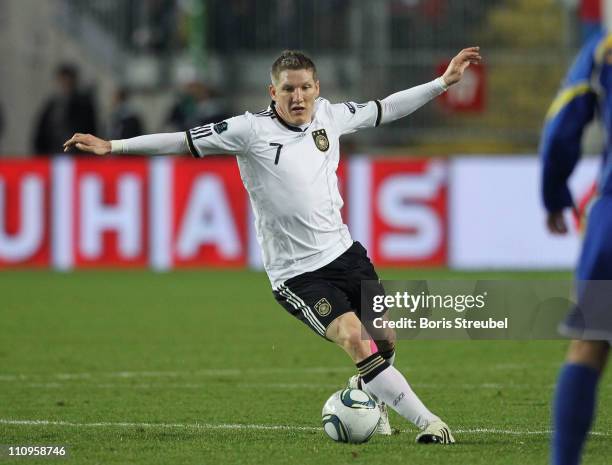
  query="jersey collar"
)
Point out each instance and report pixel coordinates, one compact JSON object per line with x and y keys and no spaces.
{"x":283,"y":122}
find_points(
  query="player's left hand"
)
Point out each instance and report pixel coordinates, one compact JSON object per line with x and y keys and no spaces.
{"x":466,"y":57}
{"x":555,"y":221}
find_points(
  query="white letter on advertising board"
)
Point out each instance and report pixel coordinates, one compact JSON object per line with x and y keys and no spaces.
{"x":208,"y":220}
{"x":400,"y":203}
{"x":22,"y":245}
{"x":123,"y":217}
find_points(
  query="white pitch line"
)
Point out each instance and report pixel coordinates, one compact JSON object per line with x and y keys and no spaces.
{"x":203,"y":426}
{"x":515,"y":432}
{"x":313,"y":386}
{"x":213,"y":372}
{"x":238,"y":426}
{"x":290,"y":386}
{"x":216,"y":372}
{"x":48,"y":380}
{"x":523,"y":366}
{"x":176,"y":374}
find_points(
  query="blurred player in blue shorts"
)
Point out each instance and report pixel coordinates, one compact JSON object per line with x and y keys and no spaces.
{"x":587,"y":92}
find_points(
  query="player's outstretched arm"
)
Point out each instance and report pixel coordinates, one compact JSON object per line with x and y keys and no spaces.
{"x":88,"y":143}
{"x":152,"y":144}
{"x":458,"y":65}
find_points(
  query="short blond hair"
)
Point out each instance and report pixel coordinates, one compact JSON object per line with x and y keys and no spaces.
{"x":292,"y":59}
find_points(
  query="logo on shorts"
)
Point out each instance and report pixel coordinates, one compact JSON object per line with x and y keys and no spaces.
{"x":323,"y":307}
{"x":321,"y":140}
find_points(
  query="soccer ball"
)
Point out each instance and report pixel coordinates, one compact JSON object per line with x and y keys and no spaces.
{"x":350,"y":415}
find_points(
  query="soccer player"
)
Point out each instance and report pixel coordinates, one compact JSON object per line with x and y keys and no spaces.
{"x":586,"y":92}
{"x":288,"y":155}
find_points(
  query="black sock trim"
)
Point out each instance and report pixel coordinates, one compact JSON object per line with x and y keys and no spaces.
{"x":367,"y":361}
{"x":365,"y":365}
{"x":371,"y":367}
{"x":387,"y":354}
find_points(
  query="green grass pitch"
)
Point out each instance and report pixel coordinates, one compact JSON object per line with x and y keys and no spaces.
{"x":204,"y":367}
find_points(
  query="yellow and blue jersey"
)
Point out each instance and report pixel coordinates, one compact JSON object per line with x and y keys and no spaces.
{"x":586,"y":92}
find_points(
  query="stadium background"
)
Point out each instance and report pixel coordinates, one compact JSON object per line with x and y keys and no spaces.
{"x":117,"y":363}
{"x":161,"y":49}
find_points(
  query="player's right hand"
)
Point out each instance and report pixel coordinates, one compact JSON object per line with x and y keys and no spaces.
{"x":555,"y":221}
{"x":458,"y":65}
{"x":88,"y":143}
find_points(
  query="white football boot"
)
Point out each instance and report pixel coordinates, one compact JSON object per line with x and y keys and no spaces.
{"x":436,"y":432}
{"x":384,"y":427}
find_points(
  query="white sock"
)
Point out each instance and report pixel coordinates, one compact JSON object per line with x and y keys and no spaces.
{"x":390,"y":386}
{"x":390,"y":360}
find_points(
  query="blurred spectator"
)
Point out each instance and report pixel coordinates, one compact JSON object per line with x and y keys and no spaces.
{"x":590,"y":19}
{"x":333,"y":26}
{"x":125,"y":121}
{"x":287,"y":23}
{"x":196,"y":105}
{"x":158,"y":25}
{"x":1,"y":123}
{"x":68,"y":111}
{"x":432,"y":11}
{"x":233,"y":25}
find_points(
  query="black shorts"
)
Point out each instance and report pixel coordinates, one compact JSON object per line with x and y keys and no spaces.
{"x":319,"y":297}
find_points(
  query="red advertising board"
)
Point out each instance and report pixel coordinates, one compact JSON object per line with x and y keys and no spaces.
{"x":468,"y":95}
{"x":178,"y":212}
{"x":25,"y":197}
{"x":409,"y":212}
{"x":209,"y":213}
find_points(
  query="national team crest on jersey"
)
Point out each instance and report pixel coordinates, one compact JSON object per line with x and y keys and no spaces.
{"x":323,"y":307}
{"x":220,"y":127}
{"x":321,"y":140}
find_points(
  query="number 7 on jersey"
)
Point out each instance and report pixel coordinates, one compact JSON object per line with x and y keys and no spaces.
{"x":278,"y":149}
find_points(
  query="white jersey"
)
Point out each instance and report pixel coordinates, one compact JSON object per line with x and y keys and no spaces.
{"x":290,"y":175}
